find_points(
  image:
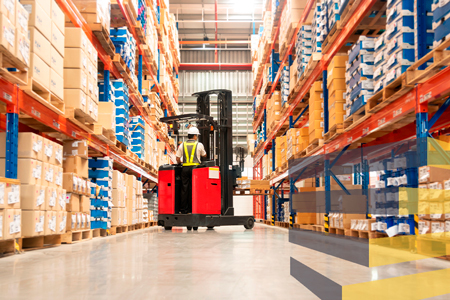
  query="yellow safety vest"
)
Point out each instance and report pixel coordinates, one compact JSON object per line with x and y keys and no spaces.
{"x":190,"y":158}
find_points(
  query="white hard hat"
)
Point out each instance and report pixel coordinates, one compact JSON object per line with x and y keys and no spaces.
{"x":193,"y":130}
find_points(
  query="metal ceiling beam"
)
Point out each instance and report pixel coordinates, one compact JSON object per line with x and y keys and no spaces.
{"x":212,"y":31}
{"x":213,"y":42}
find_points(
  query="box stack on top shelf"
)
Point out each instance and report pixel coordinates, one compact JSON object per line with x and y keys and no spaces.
{"x":316,"y":113}
{"x":101,"y":177}
{"x":336,"y":89}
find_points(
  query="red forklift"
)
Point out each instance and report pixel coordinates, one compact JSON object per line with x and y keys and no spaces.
{"x":213,"y":180}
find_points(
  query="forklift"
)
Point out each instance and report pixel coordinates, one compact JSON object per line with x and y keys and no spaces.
{"x":213,"y":180}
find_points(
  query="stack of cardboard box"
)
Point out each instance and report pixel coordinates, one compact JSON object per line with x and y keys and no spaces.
{"x":10,"y":212}
{"x":139,"y":203}
{"x":316,"y":112}
{"x":280,"y":151}
{"x":131,"y":199}
{"x":302,"y":140}
{"x":76,"y":183}
{"x":80,"y":65}
{"x":273,"y":110}
{"x":46,"y":33}
{"x":336,"y":89}
{"x":118,"y":214}
{"x":95,"y":11}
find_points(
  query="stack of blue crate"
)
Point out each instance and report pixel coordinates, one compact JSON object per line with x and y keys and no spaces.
{"x":101,"y":90}
{"x":125,"y":45}
{"x":274,"y":66}
{"x":318,"y":28}
{"x":359,"y":74}
{"x":303,"y":48}
{"x":137,"y":131}
{"x":141,"y":17}
{"x":333,"y":15}
{"x":441,"y":22}
{"x":100,"y":174}
{"x":399,"y":39}
{"x":122,"y":111}
{"x":380,"y":63}
{"x":285,"y":78}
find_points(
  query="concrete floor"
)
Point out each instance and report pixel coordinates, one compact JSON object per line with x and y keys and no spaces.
{"x":226,"y":263}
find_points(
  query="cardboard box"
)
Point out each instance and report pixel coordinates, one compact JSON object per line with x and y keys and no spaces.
{"x":61,"y":205}
{"x":76,"y":98}
{"x":58,"y":176}
{"x":38,"y":17}
{"x":56,"y":61}
{"x":76,"y":58}
{"x":11,"y":223}
{"x":22,"y":47}
{"x":72,"y":221}
{"x":78,"y":79}
{"x":49,"y":151}
{"x":116,"y":219}
{"x":91,"y":84}
{"x":71,"y":183}
{"x":57,"y":16}
{"x":75,"y":148}
{"x":433,"y":174}
{"x":61,"y":221}
{"x":305,"y":218}
{"x":33,"y":223}
{"x":50,"y":171}
{"x":77,"y":165}
{"x":335,"y":74}
{"x":39,"y":71}
{"x":85,"y":204}
{"x":93,"y":109}
{"x":9,"y":194}
{"x":29,"y":145}
{"x":7,"y":34}
{"x":75,"y":38}
{"x":338,"y":61}
{"x":56,"y":84}
{"x":118,"y":198}
{"x":1,"y":224}
{"x":106,"y":115}
{"x":32,"y":197}
{"x":39,"y":45}
{"x":50,"y":223}
{"x":8,"y":9}
{"x":72,"y":202}
{"x":30,"y":171}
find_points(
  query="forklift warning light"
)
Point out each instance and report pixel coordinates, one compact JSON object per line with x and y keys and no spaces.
{"x":213,"y":173}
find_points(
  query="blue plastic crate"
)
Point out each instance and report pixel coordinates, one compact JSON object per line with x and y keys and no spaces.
{"x":403,"y":40}
{"x":380,"y":58}
{"x":401,"y":8}
{"x":364,"y":45}
{"x":401,"y":24}
{"x":404,"y":58}
{"x":440,"y":12}
{"x":99,"y":173}
{"x":98,"y":213}
{"x":441,"y":32}
{"x":122,"y":139}
{"x":99,"y":224}
{"x":100,"y":162}
{"x":379,"y":84}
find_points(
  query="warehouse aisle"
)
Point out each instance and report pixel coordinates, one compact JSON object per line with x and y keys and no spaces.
{"x":226,"y":263}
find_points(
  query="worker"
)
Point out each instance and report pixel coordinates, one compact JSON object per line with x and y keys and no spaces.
{"x":191,"y":151}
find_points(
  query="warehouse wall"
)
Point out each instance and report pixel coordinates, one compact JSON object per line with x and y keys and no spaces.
{"x":239,"y":82}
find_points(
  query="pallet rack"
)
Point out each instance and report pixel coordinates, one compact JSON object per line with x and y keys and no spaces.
{"x":412,"y":112}
{"x":18,"y":103}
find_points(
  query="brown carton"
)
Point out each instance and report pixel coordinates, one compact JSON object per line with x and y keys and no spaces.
{"x":76,"y":98}
{"x":75,"y":38}
{"x":85,"y":204}
{"x":32,"y":197}
{"x":7,"y":34}
{"x":39,"y":45}
{"x":38,"y":18}
{"x":77,"y":165}
{"x":33,"y":222}
{"x":72,"y":222}
{"x":39,"y":71}
{"x":78,"y":79}
{"x":61,"y":222}
{"x":75,"y":148}
{"x":22,"y":47}
{"x":56,"y":84}
{"x":11,"y":223}
{"x":29,"y":171}
{"x":30,"y":145}
{"x":49,"y":152}
{"x":433,"y":174}
{"x":51,"y":198}
{"x":76,"y":58}
{"x":72,"y":202}
{"x":57,"y":39}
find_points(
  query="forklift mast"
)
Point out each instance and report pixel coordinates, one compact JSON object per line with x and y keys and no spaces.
{"x":221,"y":139}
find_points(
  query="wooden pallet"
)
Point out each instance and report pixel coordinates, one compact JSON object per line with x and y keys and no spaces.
{"x":333,"y":132}
{"x":117,"y":17}
{"x":357,"y":118}
{"x":314,"y":145}
{"x":140,"y":33}
{"x":389,"y":94}
{"x":39,"y":242}
{"x":103,"y":37}
{"x":9,"y":247}
{"x":338,"y":231}
{"x":44,"y":96}
{"x":106,"y":135}
{"x":80,"y":118}
{"x":267,"y":222}
{"x":120,"y":147}
{"x":441,"y":59}
{"x":119,"y":229}
{"x":319,"y":228}
{"x":252,"y":192}
{"x":19,"y":76}
{"x":282,"y":224}
{"x":313,"y":62}
{"x":304,"y":226}
{"x":71,"y":237}
{"x":122,"y":67}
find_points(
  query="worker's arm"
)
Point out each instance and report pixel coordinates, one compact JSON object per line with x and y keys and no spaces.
{"x":179,"y":153}
{"x":202,"y":150}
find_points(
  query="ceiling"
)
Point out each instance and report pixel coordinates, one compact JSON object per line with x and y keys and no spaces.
{"x":236,"y":18}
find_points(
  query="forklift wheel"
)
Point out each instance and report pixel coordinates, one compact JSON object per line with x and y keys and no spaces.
{"x":189,"y":228}
{"x":168,"y":227}
{"x":210,"y":227}
{"x":250,"y":223}
{"x":195,"y":228}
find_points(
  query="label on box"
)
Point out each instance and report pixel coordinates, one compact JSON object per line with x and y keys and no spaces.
{"x":37,"y":172}
{"x":48,"y":150}
{"x":23,"y":20}
{"x":62,"y":224}
{"x":368,"y":44}
{"x":14,"y":226}
{"x":40,"y":224}
{"x":79,"y":219}
{"x":91,"y":87}
{"x":58,"y":179}
{"x":437,"y":227}
{"x":24,"y":49}
{"x":403,"y":227}
{"x":14,"y":195}
{"x":2,"y":192}
{"x":37,"y":146}
{"x":52,"y":224}
{"x":74,"y":221}
{"x":9,"y":4}
{"x":40,"y":198}
{"x":62,"y":201}
{"x":52,"y":201}
{"x":84,"y":81}
{"x":59,"y":155}
{"x":9,"y":35}
{"x":49,"y":175}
